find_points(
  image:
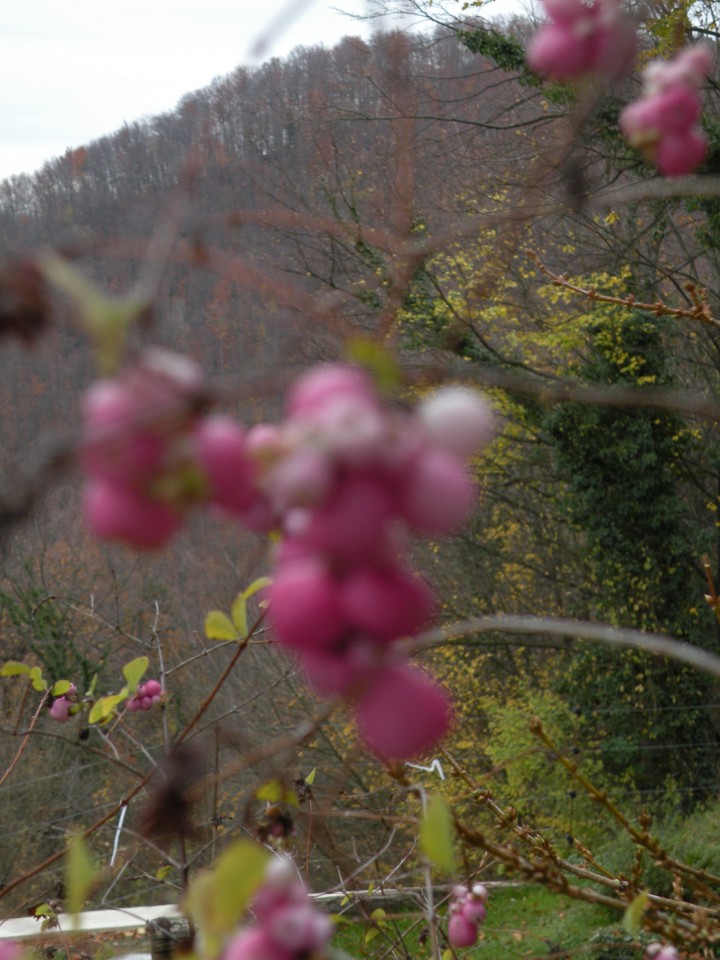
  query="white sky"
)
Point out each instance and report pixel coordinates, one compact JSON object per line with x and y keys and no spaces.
{"x":73,"y":71}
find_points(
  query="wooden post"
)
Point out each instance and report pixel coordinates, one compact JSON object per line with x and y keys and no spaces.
{"x":169,"y":935}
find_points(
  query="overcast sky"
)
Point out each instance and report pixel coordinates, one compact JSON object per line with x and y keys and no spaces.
{"x":71,"y":72}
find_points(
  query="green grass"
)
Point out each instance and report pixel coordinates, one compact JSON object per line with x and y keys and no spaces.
{"x":522,"y":922}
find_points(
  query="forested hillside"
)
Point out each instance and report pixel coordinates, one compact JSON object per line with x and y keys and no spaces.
{"x":428,"y":206}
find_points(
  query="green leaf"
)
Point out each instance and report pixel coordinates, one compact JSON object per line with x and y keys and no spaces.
{"x":104,"y":708}
{"x":80,"y":873}
{"x":632,"y":919}
{"x":106,"y":320}
{"x":448,"y":955}
{"x":437,"y":835}
{"x":271,"y":792}
{"x":371,"y":934}
{"x":14,"y":669}
{"x":291,"y":798}
{"x":310,"y":778}
{"x":133,"y":672}
{"x":44,"y":910}
{"x":239,"y":614}
{"x":378,"y":916}
{"x":163,"y":871}
{"x":219,"y":627}
{"x":217,"y":900}
{"x":61,"y":687}
{"x":37,"y":679}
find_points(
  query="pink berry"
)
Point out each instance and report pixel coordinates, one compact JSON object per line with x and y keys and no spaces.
{"x":457,"y":419}
{"x":119,"y":444}
{"x":681,"y":154}
{"x":461,"y":933}
{"x":302,"y":478}
{"x":438,"y":493}
{"x":221,"y":452}
{"x":60,"y":709}
{"x":300,"y":928}
{"x":255,"y":944}
{"x":321,"y":385}
{"x":556,"y":52}
{"x":304,"y":606}
{"x":565,"y":12}
{"x":350,"y":526}
{"x":402,"y":712}
{"x":474,"y":911}
{"x":152,"y":688}
{"x":386,"y":603}
{"x":340,"y":673}
{"x":480,"y":892}
{"x":10,"y":950}
{"x":119,"y":513}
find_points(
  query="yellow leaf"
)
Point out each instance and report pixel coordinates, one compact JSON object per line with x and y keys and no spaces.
{"x":219,"y":627}
{"x":271,"y":792}
{"x":217,"y":900}
{"x":104,"y":708}
{"x":632,"y":919}
{"x":80,"y":873}
{"x":239,"y":614}
{"x":437,"y":835}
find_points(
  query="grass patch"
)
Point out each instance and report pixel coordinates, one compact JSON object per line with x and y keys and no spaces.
{"x":522,"y":923}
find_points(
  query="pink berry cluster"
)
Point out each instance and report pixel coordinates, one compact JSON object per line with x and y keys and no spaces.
{"x":663,"y":122}
{"x":660,"y":951}
{"x":146,"y":696}
{"x":345,"y":478}
{"x":61,"y":708}
{"x":349,"y":476}
{"x":289,"y":926}
{"x":467,"y":912}
{"x":583,"y":39}
{"x":150,"y":455}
